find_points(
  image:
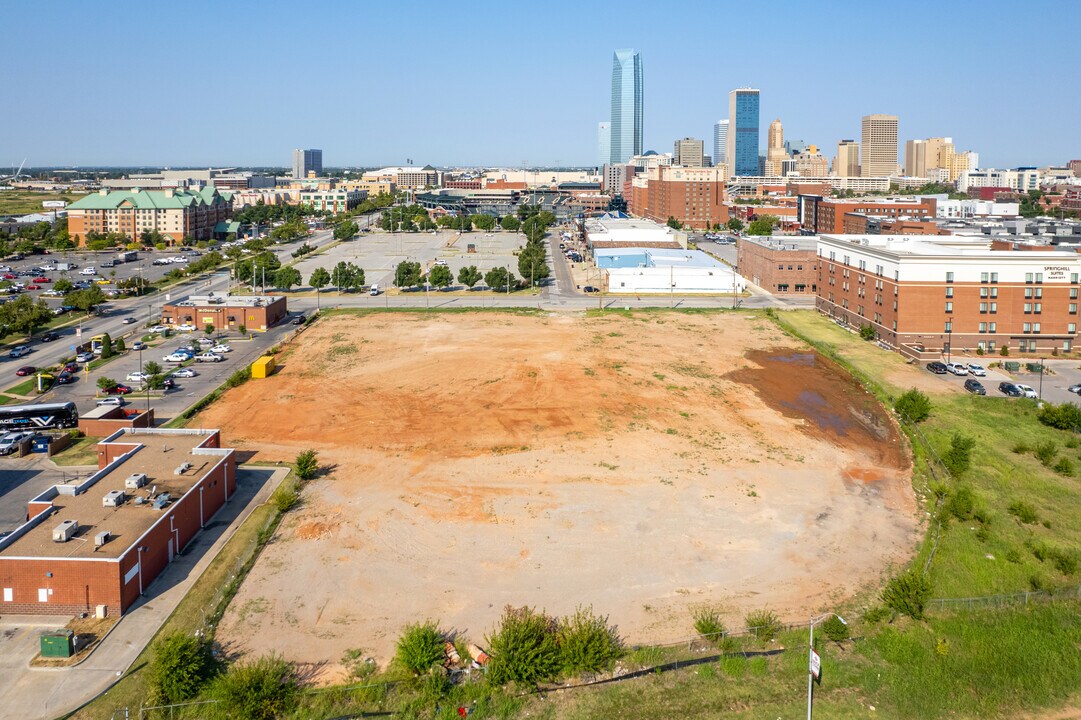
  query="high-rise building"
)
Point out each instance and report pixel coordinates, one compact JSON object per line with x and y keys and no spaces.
{"x":604,"y":143}
{"x":307,"y":161}
{"x":1075,"y":167}
{"x":847,"y":161}
{"x":742,"y":152}
{"x":879,"y":146}
{"x":626,"y":120}
{"x":689,"y":152}
{"x":720,"y":142}
{"x":775,"y":152}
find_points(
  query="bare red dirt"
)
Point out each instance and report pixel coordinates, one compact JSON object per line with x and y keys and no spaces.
{"x":644,"y":465}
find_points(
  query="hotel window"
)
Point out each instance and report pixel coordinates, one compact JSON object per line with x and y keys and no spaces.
{"x":983,"y":277}
{"x":983,"y":292}
{"x":1073,"y":308}
{"x":983,"y":307}
{"x":1028,"y":278}
{"x":1035,"y":327}
{"x":1027,"y":327}
{"x":1037,"y":308}
{"x":949,"y":292}
{"x":993,"y":327}
{"x":983,"y":327}
{"x":949,"y":327}
{"x":1039,"y":277}
{"x":1073,"y":293}
{"x":1071,"y":327}
{"x":1073,"y":278}
{"x":1039,"y":293}
{"x":994,"y":292}
{"x":994,"y":277}
{"x":1028,"y":308}
{"x":1028,"y":292}
{"x":949,"y":277}
{"x":994,"y":308}
{"x":949,"y":307}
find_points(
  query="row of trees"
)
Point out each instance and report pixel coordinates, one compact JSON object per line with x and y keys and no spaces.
{"x":410,"y":274}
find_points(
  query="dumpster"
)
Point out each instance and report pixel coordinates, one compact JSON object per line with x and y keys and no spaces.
{"x":58,"y":644}
{"x":1034,"y":367}
{"x":263,"y":367}
{"x":40,"y":443}
{"x":1012,"y":366}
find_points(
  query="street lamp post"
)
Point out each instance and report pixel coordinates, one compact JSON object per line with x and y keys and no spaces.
{"x":811,"y":658}
{"x":949,"y":341}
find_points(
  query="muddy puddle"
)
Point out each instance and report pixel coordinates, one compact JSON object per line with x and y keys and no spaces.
{"x":806,"y":386}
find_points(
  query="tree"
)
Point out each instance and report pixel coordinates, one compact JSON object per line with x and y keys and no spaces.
{"x":469,"y":275}
{"x":285,"y":278}
{"x":120,"y":346}
{"x":182,"y":664}
{"x":22,"y":314}
{"x":510,"y":223}
{"x":346,"y":230}
{"x":263,"y":689}
{"x":107,"y":384}
{"x":407,"y":274}
{"x":499,"y":279}
{"x":151,"y":368}
{"x":290,"y":231}
{"x":307,"y":465}
{"x":674,"y":224}
{"x":531,"y":263}
{"x":959,"y":455}
{"x":85,"y":300}
{"x":106,"y":346}
{"x":320,"y":279}
{"x":913,"y":406}
{"x":420,"y":647}
{"x":255,"y":265}
{"x":347,"y":276}
{"x":209,"y":329}
{"x":440,"y":276}
{"x":762,"y":225}
{"x":483,"y":222}
{"x":734,"y":224}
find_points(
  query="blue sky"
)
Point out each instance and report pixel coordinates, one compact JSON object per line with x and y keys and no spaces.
{"x":478,"y":82}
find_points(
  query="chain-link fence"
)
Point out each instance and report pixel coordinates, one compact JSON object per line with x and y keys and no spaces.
{"x":1011,"y":599}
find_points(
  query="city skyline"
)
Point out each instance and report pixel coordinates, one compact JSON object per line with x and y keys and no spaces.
{"x":252,"y":118}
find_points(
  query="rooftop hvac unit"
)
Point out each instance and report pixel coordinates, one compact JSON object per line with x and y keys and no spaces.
{"x":114,"y":498}
{"x":65,"y":531}
{"x":101,"y":538}
{"x":183,"y":468}
{"x":161,"y":501}
{"x":139,"y":500}
{"x":135,"y":481}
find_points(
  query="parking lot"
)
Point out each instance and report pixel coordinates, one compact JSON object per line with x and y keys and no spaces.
{"x":1061,"y":374}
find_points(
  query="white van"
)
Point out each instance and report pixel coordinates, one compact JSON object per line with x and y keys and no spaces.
{"x":88,"y":271}
{"x":374,"y":289}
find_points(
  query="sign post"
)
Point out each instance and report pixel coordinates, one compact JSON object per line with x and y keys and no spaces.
{"x":816,"y":666}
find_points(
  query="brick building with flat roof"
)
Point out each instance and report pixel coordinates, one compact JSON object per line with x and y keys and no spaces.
{"x":254,"y":312}
{"x":820,"y":215}
{"x":102,"y":542}
{"x":694,"y":196}
{"x":175,"y":213}
{"x":927,"y":294}
{"x":779,"y":264}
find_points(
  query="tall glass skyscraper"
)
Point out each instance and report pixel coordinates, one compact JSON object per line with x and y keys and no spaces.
{"x":720,"y":142}
{"x":626,"y":121}
{"x":604,"y":144}
{"x":743,"y":131}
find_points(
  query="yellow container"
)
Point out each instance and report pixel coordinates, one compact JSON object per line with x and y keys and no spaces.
{"x":263,"y":367}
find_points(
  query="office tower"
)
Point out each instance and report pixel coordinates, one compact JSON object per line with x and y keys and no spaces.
{"x":775,"y":152}
{"x":626,"y":120}
{"x":307,"y":161}
{"x":742,"y":150}
{"x":847,"y":161}
{"x":791,"y":147}
{"x":604,"y":143}
{"x":879,"y":146}
{"x":689,"y":152}
{"x":720,"y":142}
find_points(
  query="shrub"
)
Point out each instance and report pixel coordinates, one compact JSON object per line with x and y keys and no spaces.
{"x":307,"y":465}
{"x":286,"y":497}
{"x":1045,"y":452}
{"x":1004,"y":352}
{"x":707,"y":623}
{"x":106,"y":347}
{"x":1064,"y":467}
{"x":1039,"y":583}
{"x":876,"y":614}
{"x":913,"y":406}
{"x":264,"y":689}
{"x":587,"y":643}
{"x":239,"y":377}
{"x":182,"y":664}
{"x":523,"y":649}
{"x":1065,"y":560}
{"x":835,"y":629}
{"x":979,"y":351}
{"x":1073,"y":443}
{"x":765,"y":623}
{"x":908,"y":594}
{"x":958,"y":457}
{"x":420,"y":647}
{"x":1066,"y":416}
{"x":1021,"y":448}
{"x":961,"y":503}
{"x":242,"y":329}
{"x":120,"y":346}
{"x":867,"y":332}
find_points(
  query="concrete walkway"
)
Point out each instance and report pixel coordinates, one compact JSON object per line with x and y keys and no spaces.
{"x":49,"y":693}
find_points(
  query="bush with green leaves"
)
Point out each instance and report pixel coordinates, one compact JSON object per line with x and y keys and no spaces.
{"x":181,"y":666}
{"x":419,"y":647}
{"x":262,"y":689}
{"x":913,"y":406}
{"x":835,"y":629}
{"x":239,"y":377}
{"x":958,"y":457}
{"x":908,"y":594}
{"x":307,"y":465}
{"x":867,"y":332}
{"x":1064,"y":467}
{"x":1045,"y":452}
{"x":286,"y":497}
{"x":708,"y":623}
{"x":764,"y":623}
{"x":1066,"y":416}
{"x":587,"y":643}
{"x":523,"y":649}
{"x":961,"y":503}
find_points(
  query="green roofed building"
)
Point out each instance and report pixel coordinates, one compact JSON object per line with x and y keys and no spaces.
{"x":175,"y":214}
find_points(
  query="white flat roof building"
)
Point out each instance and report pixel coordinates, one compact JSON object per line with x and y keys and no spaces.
{"x":652,"y":270}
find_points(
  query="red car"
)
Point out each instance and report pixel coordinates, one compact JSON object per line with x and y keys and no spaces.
{"x":72,"y":367}
{"x":33,"y":287}
{"x":9,"y":276}
{"x":25,"y":370}
{"x":42,"y":279}
{"x":119,"y":390}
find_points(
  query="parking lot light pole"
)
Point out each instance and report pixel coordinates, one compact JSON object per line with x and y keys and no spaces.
{"x":810,"y":657}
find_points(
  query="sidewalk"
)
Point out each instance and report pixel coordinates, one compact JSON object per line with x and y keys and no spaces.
{"x":49,"y":693}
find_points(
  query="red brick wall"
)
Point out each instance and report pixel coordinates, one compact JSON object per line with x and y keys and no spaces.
{"x":76,"y":586}
{"x":773,"y":269}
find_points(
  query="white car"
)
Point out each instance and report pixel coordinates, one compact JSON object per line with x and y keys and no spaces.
{"x":112,"y":401}
{"x":184,"y":373}
{"x":1027,"y":391}
{"x":208,"y":357}
{"x":186,"y":327}
{"x":47,"y":268}
{"x":158,"y":329}
{"x":137,"y":377}
{"x":88,"y":271}
{"x":10,"y":442}
{"x":957,"y":368}
{"x":977,"y":370}
{"x":179,"y":259}
{"x":84,"y":357}
{"x":177,"y":358}
{"x":221,"y":349}
{"x":19,"y":351}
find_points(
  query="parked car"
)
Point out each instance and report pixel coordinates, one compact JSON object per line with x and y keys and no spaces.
{"x":184,"y":373}
{"x":65,"y":377}
{"x":221,"y":349}
{"x":158,"y":328}
{"x":50,"y":336}
{"x":185,"y":327}
{"x":1008,"y":388}
{"x":88,"y":271}
{"x":42,"y":279}
{"x":112,"y":401}
{"x":975,"y":387}
{"x":137,"y":376}
{"x":129,"y":320}
{"x":938,"y":368}
{"x":298,"y":320}
{"x":168,"y":383}
{"x":208,"y":357}
{"x":977,"y":370}
{"x":957,"y":368}
{"x":1074,"y":389}
{"x":19,"y":351}
{"x":1027,"y":391}
{"x":177,"y":357}
{"x":120,"y":389}
{"x":33,"y":286}
{"x":590,"y":289}
{"x":10,"y":443}
{"x":25,"y":370}
{"x":138,"y":345}
{"x":71,"y":367}
{"x":84,"y":357}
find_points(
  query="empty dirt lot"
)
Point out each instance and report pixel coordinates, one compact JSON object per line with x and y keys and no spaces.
{"x":644,"y":465}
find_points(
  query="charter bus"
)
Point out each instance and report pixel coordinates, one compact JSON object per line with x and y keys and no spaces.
{"x":38,"y":417}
